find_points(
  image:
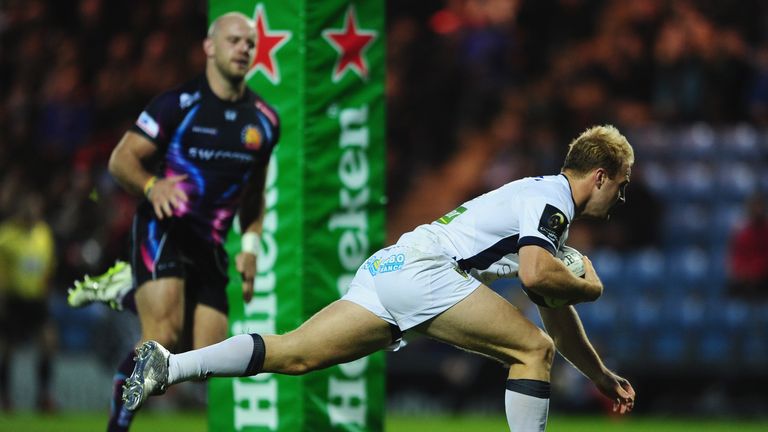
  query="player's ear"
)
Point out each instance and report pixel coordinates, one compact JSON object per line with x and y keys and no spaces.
{"x":208,"y":47}
{"x":599,"y":177}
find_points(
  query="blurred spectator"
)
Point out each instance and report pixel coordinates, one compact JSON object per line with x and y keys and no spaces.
{"x":748,"y":253}
{"x":26,"y":265}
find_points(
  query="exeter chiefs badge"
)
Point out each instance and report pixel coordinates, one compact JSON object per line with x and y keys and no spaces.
{"x":251,"y":137}
{"x":552,"y":223}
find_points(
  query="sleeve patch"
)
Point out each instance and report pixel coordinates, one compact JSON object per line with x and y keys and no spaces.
{"x":148,"y":124}
{"x":268,"y":112}
{"x":553,"y":223}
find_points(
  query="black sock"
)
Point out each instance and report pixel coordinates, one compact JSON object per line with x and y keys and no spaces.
{"x":257,"y":357}
{"x":535,"y":388}
{"x":119,"y":417}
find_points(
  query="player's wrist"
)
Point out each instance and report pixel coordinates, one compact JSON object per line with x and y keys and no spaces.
{"x":148,"y":185}
{"x":250,"y":242}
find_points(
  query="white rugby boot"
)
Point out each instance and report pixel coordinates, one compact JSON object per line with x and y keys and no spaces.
{"x":149,"y":377}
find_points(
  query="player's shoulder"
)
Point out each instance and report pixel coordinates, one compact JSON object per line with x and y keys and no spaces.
{"x":550,"y":189}
{"x":184,"y":95}
{"x":547,"y":185}
{"x":263,"y":107}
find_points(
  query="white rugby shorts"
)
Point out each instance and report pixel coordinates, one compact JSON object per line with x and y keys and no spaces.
{"x":410,"y":282}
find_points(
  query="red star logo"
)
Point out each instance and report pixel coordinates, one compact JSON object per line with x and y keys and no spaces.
{"x":351,"y":43}
{"x":267,"y":44}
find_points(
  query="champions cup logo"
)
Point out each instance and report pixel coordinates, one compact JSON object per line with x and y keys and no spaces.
{"x":556,"y":220}
{"x":251,"y":137}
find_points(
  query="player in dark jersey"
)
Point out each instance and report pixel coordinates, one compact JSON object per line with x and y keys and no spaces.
{"x":198,"y":154}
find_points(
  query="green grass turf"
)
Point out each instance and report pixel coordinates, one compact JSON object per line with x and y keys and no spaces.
{"x":196,"y":422}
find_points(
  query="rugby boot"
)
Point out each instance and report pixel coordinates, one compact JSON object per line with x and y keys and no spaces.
{"x":108,"y":288}
{"x":149,"y":377}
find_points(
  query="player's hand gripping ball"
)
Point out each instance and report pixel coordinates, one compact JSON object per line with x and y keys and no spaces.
{"x":572,"y":259}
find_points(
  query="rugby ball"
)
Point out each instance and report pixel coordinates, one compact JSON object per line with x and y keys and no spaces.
{"x":573,"y":260}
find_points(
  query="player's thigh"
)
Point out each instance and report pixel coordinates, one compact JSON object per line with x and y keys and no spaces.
{"x":343,"y":331}
{"x":160,"y":306}
{"x":486,"y":323}
{"x":209,"y":326}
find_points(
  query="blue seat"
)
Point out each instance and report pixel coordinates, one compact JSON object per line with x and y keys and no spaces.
{"x":698,"y":141}
{"x":695,"y":181}
{"x":659,"y":177}
{"x":715,"y":348}
{"x":609,"y":266}
{"x":741,"y":142}
{"x":732,"y":315}
{"x":687,"y":266}
{"x":736,"y":181}
{"x":686,"y":224}
{"x":645,"y":312}
{"x":669,"y":347}
{"x":647,"y":265}
{"x":726,"y":217}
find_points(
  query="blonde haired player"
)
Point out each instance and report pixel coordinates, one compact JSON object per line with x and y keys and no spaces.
{"x":434,"y":281}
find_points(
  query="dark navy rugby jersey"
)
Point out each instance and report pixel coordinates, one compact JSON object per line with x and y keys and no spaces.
{"x":216,"y":143}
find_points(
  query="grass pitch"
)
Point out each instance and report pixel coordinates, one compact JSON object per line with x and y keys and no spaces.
{"x":196,"y":422}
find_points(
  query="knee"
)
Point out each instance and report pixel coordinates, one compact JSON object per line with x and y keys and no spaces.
{"x":542,"y":349}
{"x":167,"y":334}
{"x":538,"y":351}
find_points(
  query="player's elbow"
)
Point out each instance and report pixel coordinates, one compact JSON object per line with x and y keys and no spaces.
{"x":531,"y":278}
{"x":593,"y":292}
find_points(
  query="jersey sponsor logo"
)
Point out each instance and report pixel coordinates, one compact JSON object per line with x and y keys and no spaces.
{"x":205,"y":130}
{"x":392,"y":263}
{"x":186,"y":99}
{"x":453,"y":214}
{"x":552,"y":223}
{"x":148,"y":124}
{"x":251,"y":137}
{"x":213,"y":154}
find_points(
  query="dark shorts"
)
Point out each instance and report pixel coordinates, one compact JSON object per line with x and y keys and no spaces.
{"x":161,"y":249}
{"x":23,"y":318}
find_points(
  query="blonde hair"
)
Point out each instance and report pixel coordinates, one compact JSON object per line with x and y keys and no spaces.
{"x":599,"y":147}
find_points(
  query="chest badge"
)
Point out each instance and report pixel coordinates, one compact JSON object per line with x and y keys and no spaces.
{"x":251,"y":137}
{"x":230,"y":115}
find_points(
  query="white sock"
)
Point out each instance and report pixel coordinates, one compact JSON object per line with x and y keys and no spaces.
{"x":229,"y":358}
{"x":527,"y":405}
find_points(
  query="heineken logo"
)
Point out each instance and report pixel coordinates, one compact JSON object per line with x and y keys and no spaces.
{"x":268,"y":42}
{"x":351,"y":43}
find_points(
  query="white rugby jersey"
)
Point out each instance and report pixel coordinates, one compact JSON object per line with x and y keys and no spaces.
{"x":485,"y":234}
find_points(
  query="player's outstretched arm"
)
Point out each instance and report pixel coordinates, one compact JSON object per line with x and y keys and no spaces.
{"x":564,"y":326}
